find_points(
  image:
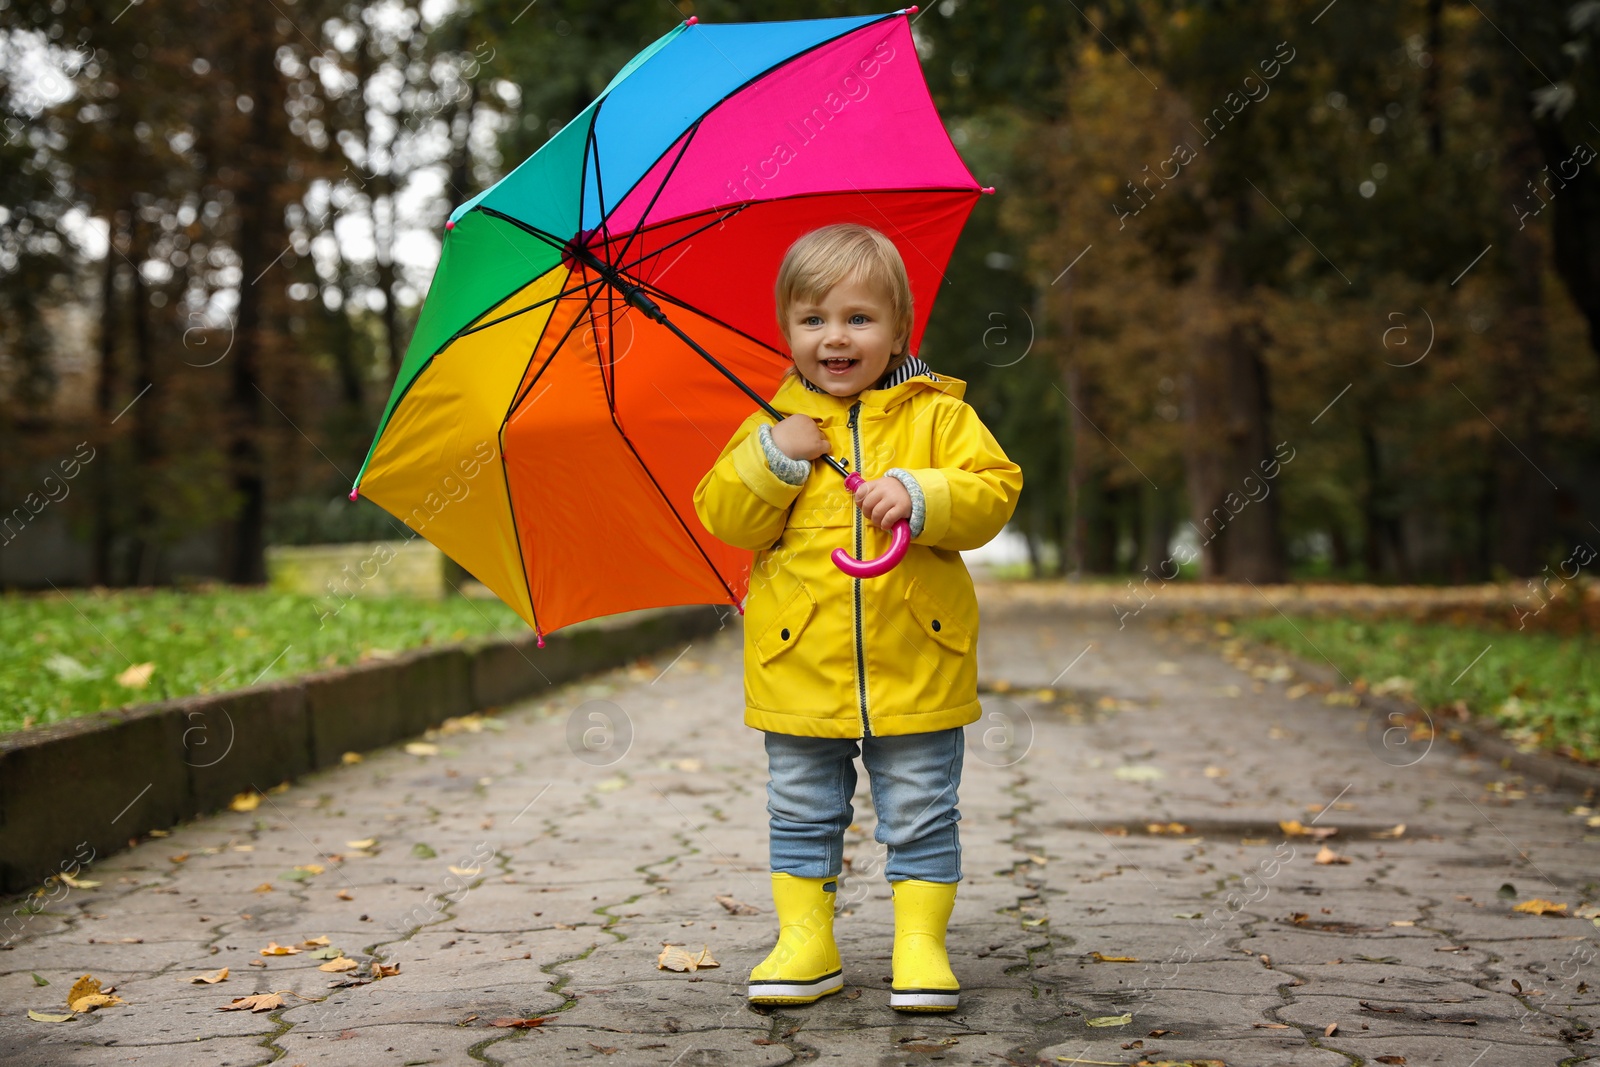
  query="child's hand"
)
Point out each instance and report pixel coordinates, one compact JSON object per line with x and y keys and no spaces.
{"x":800,"y":437}
{"x":884,"y":501}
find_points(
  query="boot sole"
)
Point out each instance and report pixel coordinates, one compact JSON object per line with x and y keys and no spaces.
{"x":795,"y":992}
{"x":924,"y":999}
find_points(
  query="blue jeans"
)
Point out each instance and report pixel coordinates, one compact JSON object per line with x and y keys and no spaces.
{"x":914,"y":780}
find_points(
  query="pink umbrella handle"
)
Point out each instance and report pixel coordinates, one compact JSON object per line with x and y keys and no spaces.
{"x":871,"y":568}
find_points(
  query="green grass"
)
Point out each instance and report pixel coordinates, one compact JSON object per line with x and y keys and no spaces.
{"x":1539,"y":688}
{"x":60,"y":656}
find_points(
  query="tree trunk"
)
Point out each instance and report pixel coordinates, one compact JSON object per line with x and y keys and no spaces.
{"x":259,"y":230}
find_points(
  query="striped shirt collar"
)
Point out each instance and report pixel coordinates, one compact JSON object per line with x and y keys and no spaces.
{"x":911,"y":368}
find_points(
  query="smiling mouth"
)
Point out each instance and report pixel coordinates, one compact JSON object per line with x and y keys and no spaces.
{"x":838,"y":366}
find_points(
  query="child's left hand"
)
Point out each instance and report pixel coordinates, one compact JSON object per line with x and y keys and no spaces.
{"x":884,"y":501}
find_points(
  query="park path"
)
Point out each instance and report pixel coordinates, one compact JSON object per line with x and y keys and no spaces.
{"x":592,"y":826}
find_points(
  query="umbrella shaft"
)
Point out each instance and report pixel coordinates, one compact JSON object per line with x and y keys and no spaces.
{"x":636,"y":296}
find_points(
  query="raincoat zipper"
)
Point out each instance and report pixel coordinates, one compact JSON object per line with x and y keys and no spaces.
{"x":861,"y":659}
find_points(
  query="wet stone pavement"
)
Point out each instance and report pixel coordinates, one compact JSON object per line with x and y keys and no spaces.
{"x":1132,"y":892}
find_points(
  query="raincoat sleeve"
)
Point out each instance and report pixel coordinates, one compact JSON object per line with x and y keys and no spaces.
{"x":740,"y":501}
{"x":970,"y":496}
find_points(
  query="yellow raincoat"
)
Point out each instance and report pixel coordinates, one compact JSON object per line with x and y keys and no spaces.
{"x":827,"y":655}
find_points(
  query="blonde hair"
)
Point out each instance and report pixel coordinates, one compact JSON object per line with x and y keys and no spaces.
{"x":823,"y":258}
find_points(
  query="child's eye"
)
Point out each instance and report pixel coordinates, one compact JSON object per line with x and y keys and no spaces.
{"x":810,"y":320}
{"x":859,"y":316}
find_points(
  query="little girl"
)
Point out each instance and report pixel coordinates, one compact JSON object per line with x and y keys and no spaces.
{"x":834,"y":666}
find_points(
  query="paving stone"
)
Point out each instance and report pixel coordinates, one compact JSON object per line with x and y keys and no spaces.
{"x":571,"y":875}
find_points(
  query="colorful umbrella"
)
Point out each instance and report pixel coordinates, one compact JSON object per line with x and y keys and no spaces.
{"x":559,"y":401}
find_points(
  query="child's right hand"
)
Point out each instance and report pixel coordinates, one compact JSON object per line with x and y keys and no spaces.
{"x":800,"y":437}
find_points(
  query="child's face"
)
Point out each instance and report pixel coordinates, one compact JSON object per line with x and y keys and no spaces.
{"x":843,"y":343}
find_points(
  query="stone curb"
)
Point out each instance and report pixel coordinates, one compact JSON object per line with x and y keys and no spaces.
{"x":96,"y":781}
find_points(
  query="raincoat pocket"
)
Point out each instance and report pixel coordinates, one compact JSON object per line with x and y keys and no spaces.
{"x":783,"y":632}
{"x":937,"y":619}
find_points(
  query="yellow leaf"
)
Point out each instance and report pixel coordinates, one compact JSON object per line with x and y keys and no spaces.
{"x":383,"y":970}
{"x":366,"y":842}
{"x":1098,"y":958}
{"x":310,"y":868}
{"x":350,"y":757}
{"x":259,"y":1002}
{"x":675,"y":958}
{"x":315,"y":942}
{"x":76,"y":883}
{"x":1111,"y":1020}
{"x":1541,"y":907}
{"x":136,"y":676}
{"x":95,"y":1000}
{"x":245,"y":802}
{"x":465,"y":872}
{"x":275,"y":949}
{"x":343,"y":963}
{"x":1293,"y":827}
{"x":344,"y":894}
{"x":178,"y":857}
{"x":1399,"y":829}
{"x":208,"y":978}
{"x":87,"y":985}
{"x":422,"y":748}
{"x":264,"y":887}
{"x":48,"y":1017}
{"x":1326,"y":855}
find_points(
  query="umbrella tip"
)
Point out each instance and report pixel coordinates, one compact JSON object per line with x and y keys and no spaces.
{"x":691,"y":20}
{"x":988,"y":189}
{"x":450,"y":224}
{"x":912,"y":10}
{"x":539,"y":636}
{"x":354,"y":491}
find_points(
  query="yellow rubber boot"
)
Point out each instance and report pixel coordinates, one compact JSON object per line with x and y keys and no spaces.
{"x":922,"y":980}
{"x":804,"y":965}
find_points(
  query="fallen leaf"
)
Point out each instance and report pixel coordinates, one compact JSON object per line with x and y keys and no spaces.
{"x":316,"y":942}
{"x":85,"y":986}
{"x":249,"y":801}
{"x":208,"y":978}
{"x":344,"y":894}
{"x":1537,"y":906}
{"x":264,"y":887}
{"x":311,"y":868}
{"x":1138,"y":773}
{"x":93,"y":1001}
{"x":422,"y":748}
{"x":604,"y":1050}
{"x":350,"y":757}
{"x":76,"y":883}
{"x":1098,"y":958}
{"x":1402,"y":922}
{"x":136,"y":676}
{"x":736,"y":907}
{"x":365,"y":842}
{"x":1110,"y":1020}
{"x":465,"y":872}
{"x":1166,"y":828}
{"x":343,"y":963}
{"x":179,"y":857}
{"x":1399,"y":829}
{"x":1326,"y":855}
{"x":423,"y":851}
{"x":675,"y":958}
{"x":1330,"y":1029}
{"x":522,"y":1024}
{"x":275,"y":949}
{"x":327,"y":954}
{"x":383,"y":970}
{"x":258,"y":1003}
{"x":49,"y":1017}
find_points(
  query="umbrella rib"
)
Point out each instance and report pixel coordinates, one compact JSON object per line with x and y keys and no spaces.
{"x":645,"y":214}
{"x":523,"y":310}
{"x":665,"y":499}
{"x":516,"y":400}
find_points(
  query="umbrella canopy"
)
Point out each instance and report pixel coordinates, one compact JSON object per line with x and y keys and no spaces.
{"x":543,"y":431}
